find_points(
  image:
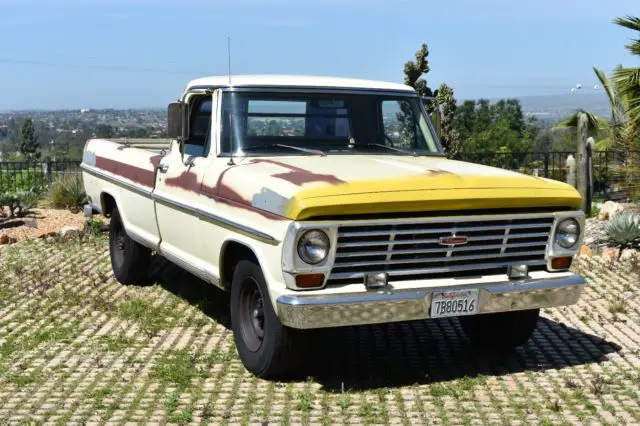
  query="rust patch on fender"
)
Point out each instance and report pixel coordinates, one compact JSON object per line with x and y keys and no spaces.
{"x":186,"y":180}
{"x":299,"y":176}
{"x":155,"y":160}
{"x":135,"y":174}
{"x":231,"y":197}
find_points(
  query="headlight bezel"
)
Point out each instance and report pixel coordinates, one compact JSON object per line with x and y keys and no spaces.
{"x":317,"y":235}
{"x":554,"y":249}
{"x":293,"y":265}
{"x":567,"y":222}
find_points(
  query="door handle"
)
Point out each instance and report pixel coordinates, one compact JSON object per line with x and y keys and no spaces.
{"x":162,"y":168}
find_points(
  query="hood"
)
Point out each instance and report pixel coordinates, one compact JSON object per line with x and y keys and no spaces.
{"x":301,"y":187}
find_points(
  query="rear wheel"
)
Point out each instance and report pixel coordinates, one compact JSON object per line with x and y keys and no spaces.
{"x":266,"y":347}
{"x":129,"y":259}
{"x":502,"y":330}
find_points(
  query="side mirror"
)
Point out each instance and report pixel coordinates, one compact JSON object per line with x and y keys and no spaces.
{"x":177,"y":119}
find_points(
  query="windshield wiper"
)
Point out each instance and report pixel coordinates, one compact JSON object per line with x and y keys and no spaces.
{"x":379,"y":145}
{"x":279,"y":145}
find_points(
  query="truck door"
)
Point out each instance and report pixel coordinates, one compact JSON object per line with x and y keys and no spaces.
{"x":177,"y":191}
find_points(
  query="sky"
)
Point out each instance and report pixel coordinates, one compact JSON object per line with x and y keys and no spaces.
{"x":58,"y":54}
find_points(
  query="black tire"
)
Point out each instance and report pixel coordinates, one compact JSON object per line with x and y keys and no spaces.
{"x":266,"y":347}
{"x":129,"y":260}
{"x":503,"y":330}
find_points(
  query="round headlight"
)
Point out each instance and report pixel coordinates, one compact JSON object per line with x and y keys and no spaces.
{"x":567,"y":233}
{"x":313,"y":246}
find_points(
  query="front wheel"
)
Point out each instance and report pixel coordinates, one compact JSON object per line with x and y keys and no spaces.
{"x":266,"y":347}
{"x":130,"y":260}
{"x":502,"y":330}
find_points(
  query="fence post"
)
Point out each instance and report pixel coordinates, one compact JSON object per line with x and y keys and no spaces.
{"x":546,"y":165}
{"x":582,"y":161}
{"x":571,"y":170}
{"x":591,"y":144}
{"x":49,"y":173}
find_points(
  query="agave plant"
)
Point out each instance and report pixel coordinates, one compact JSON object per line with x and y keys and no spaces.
{"x":623,"y":231}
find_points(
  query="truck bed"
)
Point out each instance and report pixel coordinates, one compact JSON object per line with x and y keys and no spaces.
{"x":150,"y":144}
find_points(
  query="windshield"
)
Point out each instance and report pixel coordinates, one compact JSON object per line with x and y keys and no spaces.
{"x":328,"y":122}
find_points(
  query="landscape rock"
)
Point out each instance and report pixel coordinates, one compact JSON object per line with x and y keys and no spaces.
{"x":628,"y":254}
{"x":30,"y":223}
{"x":610,"y":210}
{"x":585,"y":251}
{"x":5,"y":239}
{"x":69,"y":232}
{"x":48,"y":235}
{"x":611,"y":253}
{"x":594,"y":233}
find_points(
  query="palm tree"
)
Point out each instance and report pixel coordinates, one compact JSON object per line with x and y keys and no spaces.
{"x":594,"y":123}
{"x":623,"y":92}
{"x":627,"y":80}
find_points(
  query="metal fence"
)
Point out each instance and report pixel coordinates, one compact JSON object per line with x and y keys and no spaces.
{"x":616,"y":174}
{"x":33,"y":175}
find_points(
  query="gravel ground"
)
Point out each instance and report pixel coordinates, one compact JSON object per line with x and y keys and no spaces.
{"x":594,"y":232}
{"x":41,"y":222}
{"x":78,"y":348}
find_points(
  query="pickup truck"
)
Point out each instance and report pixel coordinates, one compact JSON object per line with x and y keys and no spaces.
{"x":328,"y":202}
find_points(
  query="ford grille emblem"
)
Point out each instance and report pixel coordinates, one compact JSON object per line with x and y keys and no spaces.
{"x":453,"y":240}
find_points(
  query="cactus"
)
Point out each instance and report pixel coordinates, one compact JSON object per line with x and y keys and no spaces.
{"x":623,"y":231}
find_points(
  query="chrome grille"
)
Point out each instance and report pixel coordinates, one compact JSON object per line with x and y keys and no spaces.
{"x":411,"y":247}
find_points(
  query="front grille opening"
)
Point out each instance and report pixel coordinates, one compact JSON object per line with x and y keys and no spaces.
{"x":414,"y":250}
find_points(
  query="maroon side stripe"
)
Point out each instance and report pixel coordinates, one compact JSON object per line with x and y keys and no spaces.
{"x":135,"y":174}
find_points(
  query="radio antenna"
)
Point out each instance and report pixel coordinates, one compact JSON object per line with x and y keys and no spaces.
{"x":229,"y":57}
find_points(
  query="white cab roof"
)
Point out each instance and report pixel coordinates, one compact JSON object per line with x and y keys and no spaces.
{"x":296,"y":80}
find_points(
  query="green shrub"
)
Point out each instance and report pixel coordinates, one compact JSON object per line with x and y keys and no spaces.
{"x":18,"y":203}
{"x":67,"y":191}
{"x":623,"y":231}
{"x":93,"y":226}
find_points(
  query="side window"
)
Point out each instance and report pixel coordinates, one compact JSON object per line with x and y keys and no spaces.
{"x":398,"y":124}
{"x":199,"y":131}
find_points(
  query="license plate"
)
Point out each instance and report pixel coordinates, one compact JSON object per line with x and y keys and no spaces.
{"x":454,"y":303}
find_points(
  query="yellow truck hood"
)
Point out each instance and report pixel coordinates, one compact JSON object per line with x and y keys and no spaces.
{"x":302,"y":187}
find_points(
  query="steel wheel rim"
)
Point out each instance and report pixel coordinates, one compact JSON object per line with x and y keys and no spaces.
{"x":118,"y":245}
{"x":251,"y":315}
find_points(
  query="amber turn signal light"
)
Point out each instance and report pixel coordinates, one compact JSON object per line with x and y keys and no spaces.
{"x":310,"y":280}
{"x":561,"y":262}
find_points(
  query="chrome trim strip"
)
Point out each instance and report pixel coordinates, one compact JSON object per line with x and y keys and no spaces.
{"x":336,"y":310}
{"x":203,"y":215}
{"x":503,"y":247}
{"x":434,"y":259}
{"x":138,"y":189}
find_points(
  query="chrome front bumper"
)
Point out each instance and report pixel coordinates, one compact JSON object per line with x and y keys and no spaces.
{"x":374,"y":307}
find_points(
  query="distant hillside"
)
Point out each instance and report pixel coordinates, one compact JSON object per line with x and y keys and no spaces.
{"x":556,"y":107}
{"x":552,"y":108}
